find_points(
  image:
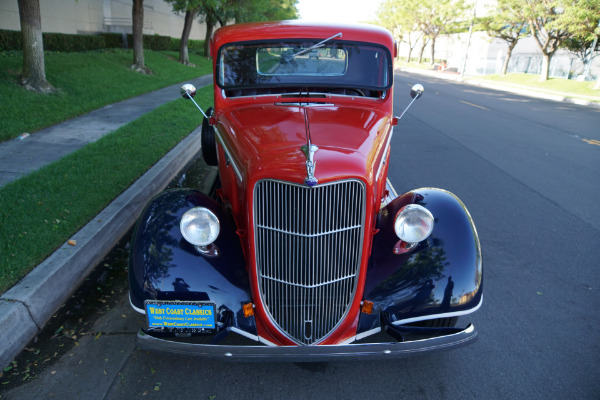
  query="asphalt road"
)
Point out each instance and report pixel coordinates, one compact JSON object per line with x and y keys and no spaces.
{"x":532,"y":184}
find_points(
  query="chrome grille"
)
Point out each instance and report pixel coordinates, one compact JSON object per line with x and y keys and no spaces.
{"x":308,"y":250}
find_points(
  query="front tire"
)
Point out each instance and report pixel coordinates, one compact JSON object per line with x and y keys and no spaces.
{"x":208,"y":141}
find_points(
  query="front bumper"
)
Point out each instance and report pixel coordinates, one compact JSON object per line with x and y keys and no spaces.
{"x":352,"y":351}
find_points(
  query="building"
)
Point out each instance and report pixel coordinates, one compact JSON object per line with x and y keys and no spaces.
{"x":96,"y":16}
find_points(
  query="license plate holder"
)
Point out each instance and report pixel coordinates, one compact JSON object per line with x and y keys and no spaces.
{"x":181,"y":316}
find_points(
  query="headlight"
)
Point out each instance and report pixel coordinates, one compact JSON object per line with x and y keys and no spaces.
{"x":413,"y":224}
{"x":199,"y":226}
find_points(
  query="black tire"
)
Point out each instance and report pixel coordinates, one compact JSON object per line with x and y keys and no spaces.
{"x":208,"y":141}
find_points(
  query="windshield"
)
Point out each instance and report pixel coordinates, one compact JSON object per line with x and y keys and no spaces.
{"x":303,"y":64}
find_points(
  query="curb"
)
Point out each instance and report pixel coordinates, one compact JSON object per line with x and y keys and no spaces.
{"x":523,"y":91}
{"x":27,"y":306}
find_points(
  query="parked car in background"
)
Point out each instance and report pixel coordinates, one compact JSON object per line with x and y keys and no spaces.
{"x":303,"y":251}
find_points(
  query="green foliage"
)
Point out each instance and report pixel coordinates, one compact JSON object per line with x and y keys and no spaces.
{"x":507,"y":22}
{"x":267,"y":10}
{"x":581,"y":18}
{"x":86,"y":81}
{"x":44,"y":209}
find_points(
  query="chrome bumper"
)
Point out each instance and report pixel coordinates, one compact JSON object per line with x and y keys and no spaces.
{"x":310,"y":353}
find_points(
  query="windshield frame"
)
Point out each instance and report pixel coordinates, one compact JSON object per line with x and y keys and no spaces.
{"x":311,"y":80}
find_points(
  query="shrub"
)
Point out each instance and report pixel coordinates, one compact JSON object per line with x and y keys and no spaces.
{"x":64,"y":42}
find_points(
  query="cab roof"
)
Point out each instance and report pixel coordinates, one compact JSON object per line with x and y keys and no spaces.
{"x":297,"y":29}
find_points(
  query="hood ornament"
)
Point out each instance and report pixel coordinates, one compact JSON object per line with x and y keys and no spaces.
{"x":309,"y":151}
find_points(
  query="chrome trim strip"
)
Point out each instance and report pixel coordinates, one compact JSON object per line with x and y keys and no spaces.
{"x":300,"y":104}
{"x":309,"y":286}
{"x":245,"y":334}
{"x":367,"y":351}
{"x":363,"y":335}
{"x":391,"y":194}
{"x":385,"y":154}
{"x":436,"y":316}
{"x":134,"y":307}
{"x":228,"y":153}
{"x":309,"y":236}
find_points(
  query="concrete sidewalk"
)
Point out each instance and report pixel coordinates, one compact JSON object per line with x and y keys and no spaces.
{"x":18,"y":157}
{"x":27,"y":306}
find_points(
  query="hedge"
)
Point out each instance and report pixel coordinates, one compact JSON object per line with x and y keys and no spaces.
{"x":11,"y":40}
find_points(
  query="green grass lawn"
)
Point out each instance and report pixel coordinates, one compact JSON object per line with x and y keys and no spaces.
{"x":84,"y":81}
{"x":42,"y":210}
{"x":565,"y":87}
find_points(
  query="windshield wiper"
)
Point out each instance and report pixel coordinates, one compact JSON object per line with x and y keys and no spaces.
{"x":316,"y":45}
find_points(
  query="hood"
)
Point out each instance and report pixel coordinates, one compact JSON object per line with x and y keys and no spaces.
{"x":267,"y":140}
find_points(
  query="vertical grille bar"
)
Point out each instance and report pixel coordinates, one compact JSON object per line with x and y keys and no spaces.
{"x":308,"y":251}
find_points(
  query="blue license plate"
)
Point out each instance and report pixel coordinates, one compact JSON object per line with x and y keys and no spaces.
{"x":181,"y":316}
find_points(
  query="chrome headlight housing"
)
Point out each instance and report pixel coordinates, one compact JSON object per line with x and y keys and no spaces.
{"x":414,"y":223}
{"x":199,"y":226}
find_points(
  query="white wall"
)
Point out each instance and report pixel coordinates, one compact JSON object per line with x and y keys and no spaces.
{"x":94,"y":16}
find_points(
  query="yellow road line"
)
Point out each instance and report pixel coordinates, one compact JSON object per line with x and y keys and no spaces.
{"x":591,"y":141}
{"x":474,"y":105}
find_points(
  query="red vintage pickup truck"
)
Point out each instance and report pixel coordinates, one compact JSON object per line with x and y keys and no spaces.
{"x":304,"y":251}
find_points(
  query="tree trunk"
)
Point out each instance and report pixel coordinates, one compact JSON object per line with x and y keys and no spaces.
{"x":210,"y":25}
{"x":545,"y":71}
{"x":421,"y":52}
{"x":432,"y":52}
{"x":185,"y":35}
{"x":138,"y":37}
{"x":34,"y":70}
{"x":511,"y":46}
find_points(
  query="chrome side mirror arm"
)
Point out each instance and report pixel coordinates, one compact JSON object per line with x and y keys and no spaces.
{"x":415,"y":92}
{"x":188,"y":91}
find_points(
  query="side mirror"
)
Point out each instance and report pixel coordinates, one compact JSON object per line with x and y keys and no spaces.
{"x":417,"y":91}
{"x":188,"y":91}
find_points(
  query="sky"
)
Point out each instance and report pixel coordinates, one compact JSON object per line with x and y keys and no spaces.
{"x":338,"y":10}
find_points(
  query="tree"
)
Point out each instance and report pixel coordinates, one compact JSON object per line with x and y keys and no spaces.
{"x":540,"y":16}
{"x":223,"y":11}
{"x":265,"y":10}
{"x":191,"y":9}
{"x":398,"y":16}
{"x":138,"y":37}
{"x":581,"y":18}
{"x":441,"y":16}
{"x":34,"y":68}
{"x":508,"y":24}
{"x":585,"y":50}
{"x":434,"y":18}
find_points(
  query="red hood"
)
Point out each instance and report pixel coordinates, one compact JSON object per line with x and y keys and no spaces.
{"x":269,"y":138}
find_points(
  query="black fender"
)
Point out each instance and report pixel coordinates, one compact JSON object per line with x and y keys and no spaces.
{"x":164,"y":266}
{"x":441,"y":277}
